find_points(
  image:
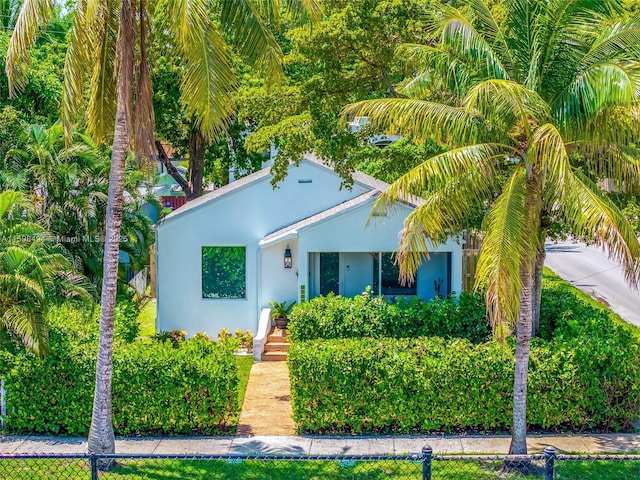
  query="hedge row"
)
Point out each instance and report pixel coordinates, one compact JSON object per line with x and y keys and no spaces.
{"x":157,"y":388}
{"x":372,"y":317}
{"x":584,"y":374}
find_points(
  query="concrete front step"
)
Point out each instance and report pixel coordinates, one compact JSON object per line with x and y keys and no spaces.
{"x":277,"y":335}
{"x":277,"y":346}
{"x":274,"y":356}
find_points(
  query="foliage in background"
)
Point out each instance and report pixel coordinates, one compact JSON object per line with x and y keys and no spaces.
{"x":35,"y":272}
{"x":68,"y":185}
{"x":40,"y":102}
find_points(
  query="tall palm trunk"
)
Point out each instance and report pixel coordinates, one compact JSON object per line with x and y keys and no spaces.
{"x":537,"y":287}
{"x":524,"y":323}
{"x":523,"y":343}
{"x":101,"y":437}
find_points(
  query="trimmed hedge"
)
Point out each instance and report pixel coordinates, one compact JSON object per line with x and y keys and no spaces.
{"x":583,"y":374}
{"x":433,"y":384}
{"x":157,"y":388}
{"x":372,"y":317}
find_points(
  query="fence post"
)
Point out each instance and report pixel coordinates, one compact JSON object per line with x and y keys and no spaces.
{"x":427,"y":453}
{"x":93,"y":463}
{"x":549,"y":462}
{"x":3,"y":403}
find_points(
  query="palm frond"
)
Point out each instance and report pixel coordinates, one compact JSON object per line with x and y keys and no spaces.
{"x":443,"y":170}
{"x":523,"y":36}
{"x":548,"y":155}
{"x":101,"y":111}
{"x":9,"y":200}
{"x":509,"y":104}
{"x":207,"y":77}
{"x":29,"y":325}
{"x":600,"y":86}
{"x":33,"y":18}
{"x":507,"y":243}
{"x":617,"y":125}
{"x":420,"y":119}
{"x":439,"y":215}
{"x":75,"y":72}
{"x":487,"y":26}
{"x":244,"y":21}
{"x":459,"y":35}
{"x":437,"y":65}
{"x":143,"y":116}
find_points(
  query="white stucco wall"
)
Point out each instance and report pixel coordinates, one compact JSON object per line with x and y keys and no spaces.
{"x":240,"y":218}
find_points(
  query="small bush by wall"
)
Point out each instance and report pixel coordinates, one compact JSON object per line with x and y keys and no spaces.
{"x":157,"y":389}
{"x":365,"y":316}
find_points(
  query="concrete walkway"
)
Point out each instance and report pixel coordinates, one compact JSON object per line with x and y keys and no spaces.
{"x":316,"y":445}
{"x":266,"y":409}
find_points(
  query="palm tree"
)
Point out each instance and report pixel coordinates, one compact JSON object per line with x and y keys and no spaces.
{"x":104,"y":36}
{"x":34,"y":272}
{"x":518,"y":100}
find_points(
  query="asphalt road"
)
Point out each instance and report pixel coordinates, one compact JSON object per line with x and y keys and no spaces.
{"x":589,"y":269}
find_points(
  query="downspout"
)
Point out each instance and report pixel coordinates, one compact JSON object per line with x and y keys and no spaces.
{"x":379,"y":273}
{"x":259,"y":252}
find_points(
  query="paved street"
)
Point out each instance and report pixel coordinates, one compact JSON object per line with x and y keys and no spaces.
{"x":589,"y":269}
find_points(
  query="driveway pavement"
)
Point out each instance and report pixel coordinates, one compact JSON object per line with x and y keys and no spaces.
{"x":589,"y":269}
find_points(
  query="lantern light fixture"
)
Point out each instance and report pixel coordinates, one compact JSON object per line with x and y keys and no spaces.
{"x":288,"y":260}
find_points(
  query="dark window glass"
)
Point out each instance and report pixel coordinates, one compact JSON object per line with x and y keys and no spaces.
{"x":329,"y":273}
{"x":390,"y":277}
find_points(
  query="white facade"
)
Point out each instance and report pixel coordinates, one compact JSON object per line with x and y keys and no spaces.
{"x":311,"y":215}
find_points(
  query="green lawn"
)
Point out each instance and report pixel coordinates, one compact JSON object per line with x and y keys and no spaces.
{"x":244,"y":363}
{"x":147,"y":319}
{"x":244,"y":368}
{"x":148,"y":469}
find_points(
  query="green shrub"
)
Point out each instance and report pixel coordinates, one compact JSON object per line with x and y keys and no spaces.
{"x":364,"y":316}
{"x":589,"y":379}
{"x":185,"y":390}
{"x":126,"y":320}
{"x":157,"y":389}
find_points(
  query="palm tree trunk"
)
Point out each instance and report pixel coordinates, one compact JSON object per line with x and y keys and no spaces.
{"x":523,"y":344}
{"x":537,"y":289}
{"x":101,"y":437}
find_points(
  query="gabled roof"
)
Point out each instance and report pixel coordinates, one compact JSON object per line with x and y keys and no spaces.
{"x":358,"y":177}
{"x":294,"y":228}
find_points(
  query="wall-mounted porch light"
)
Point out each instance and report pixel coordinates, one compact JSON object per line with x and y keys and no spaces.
{"x":288,"y":261}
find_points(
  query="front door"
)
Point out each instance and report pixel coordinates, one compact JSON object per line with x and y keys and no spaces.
{"x":329,"y":272}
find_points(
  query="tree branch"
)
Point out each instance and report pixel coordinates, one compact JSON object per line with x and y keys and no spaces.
{"x":171,"y":170}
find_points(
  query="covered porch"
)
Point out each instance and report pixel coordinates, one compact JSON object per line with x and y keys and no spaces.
{"x":350,"y":273}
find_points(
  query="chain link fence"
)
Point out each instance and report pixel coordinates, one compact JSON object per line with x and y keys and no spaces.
{"x":423,"y":466}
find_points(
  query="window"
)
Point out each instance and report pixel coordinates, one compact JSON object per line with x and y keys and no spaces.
{"x":224,"y":272}
{"x":390,"y":277}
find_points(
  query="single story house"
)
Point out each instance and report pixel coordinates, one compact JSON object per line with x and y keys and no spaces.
{"x":221,"y":258}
